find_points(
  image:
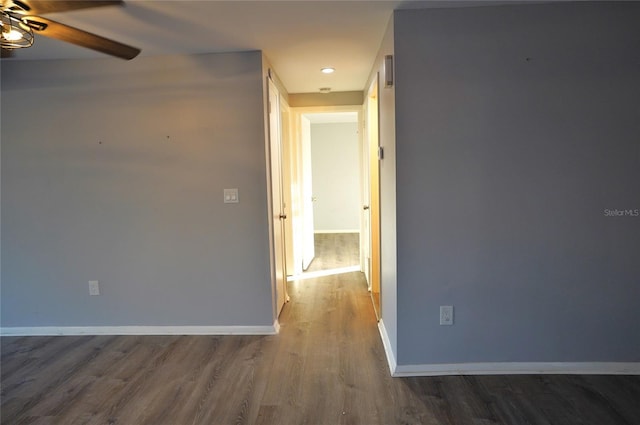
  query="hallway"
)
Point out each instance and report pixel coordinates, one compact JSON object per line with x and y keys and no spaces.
{"x":326,"y":366}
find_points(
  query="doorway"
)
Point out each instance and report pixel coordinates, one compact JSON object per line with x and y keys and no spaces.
{"x":326,"y":179}
{"x":335,"y":178}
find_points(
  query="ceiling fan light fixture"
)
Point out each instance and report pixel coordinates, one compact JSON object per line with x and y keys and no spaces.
{"x":14,"y":34}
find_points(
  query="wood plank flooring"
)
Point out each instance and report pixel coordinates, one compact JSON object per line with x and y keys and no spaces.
{"x":326,"y":367}
{"x":335,"y":250}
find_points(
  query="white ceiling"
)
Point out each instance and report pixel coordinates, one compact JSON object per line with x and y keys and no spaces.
{"x":298,"y":37}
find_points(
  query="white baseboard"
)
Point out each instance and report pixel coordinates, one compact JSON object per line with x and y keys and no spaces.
{"x":388,"y":350}
{"x":503,"y":368}
{"x":140,"y":330}
{"x":519,"y":368}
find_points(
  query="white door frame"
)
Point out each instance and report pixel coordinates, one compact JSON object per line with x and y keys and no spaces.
{"x":289,"y":181}
{"x":297,"y":214}
{"x":307,"y":235}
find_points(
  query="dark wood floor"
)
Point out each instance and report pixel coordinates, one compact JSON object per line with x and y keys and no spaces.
{"x":326,"y":367}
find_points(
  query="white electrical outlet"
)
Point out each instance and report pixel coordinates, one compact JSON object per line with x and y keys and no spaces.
{"x":446,"y":315}
{"x":94,"y":287}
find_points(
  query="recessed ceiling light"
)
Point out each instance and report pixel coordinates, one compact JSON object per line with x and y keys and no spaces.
{"x":328,"y":70}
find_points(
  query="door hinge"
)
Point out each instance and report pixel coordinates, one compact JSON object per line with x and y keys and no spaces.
{"x":380,"y":153}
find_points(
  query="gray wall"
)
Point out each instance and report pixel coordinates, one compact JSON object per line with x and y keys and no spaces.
{"x":335,"y":160}
{"x":517,"y":126}
{"x":114,"y":171}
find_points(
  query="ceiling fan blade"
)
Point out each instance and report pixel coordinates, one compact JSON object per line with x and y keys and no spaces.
{"x":79,"y":37}
{"x":6,"y":53}
{"x":52,"y":6}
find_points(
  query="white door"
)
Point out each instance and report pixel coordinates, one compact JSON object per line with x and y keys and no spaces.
{"x":374,"y":197}
{"x":277,"y":205}
{"x":365,"y":231}
{"x":308,"y":243}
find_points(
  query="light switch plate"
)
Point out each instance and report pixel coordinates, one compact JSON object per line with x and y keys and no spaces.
{"x":94,"y":287}
{"x":231,"y":196}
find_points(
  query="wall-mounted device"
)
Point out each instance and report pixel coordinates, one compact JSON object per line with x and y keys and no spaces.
{"x":388,"y":71}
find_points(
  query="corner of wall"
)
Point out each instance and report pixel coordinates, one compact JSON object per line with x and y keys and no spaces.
{"x":388,"y":348}
{"x":388,"y":216}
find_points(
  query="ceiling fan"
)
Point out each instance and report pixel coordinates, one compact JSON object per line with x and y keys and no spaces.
{"x":21,"y":21}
